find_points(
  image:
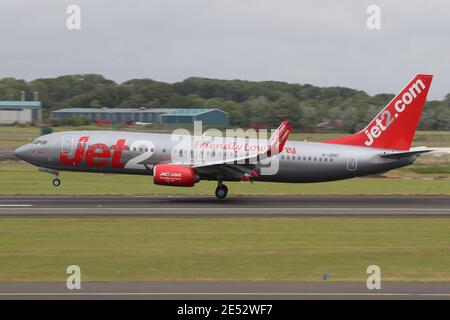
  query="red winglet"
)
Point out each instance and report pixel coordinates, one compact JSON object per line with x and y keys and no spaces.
{"x":279,"y":138}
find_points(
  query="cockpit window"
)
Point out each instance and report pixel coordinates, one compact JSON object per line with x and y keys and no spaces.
{"x":41,"y":142}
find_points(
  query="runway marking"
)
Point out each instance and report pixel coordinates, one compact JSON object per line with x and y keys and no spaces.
{"x":16,"y":205}
{"x":234,"y":208}
{"x":212,"y":294}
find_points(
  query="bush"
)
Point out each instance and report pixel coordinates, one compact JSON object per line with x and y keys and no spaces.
{"x":75,"y":122}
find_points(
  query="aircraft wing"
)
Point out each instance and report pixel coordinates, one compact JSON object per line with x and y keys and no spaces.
{"x":242,"y":167}
{"x":276,"y":145}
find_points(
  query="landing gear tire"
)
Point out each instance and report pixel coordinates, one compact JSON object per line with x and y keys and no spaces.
{"x":56,"y":182}
{"x":221,"y":191}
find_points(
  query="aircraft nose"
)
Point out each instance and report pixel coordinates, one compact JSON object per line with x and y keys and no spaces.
{"x":22,"y":152}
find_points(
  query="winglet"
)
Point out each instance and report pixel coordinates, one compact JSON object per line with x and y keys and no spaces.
{"x":279,"y":138}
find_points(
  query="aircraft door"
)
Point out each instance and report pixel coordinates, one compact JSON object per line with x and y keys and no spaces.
{"x":352,"y":161}
{"x":47,"y":148}
{"x":67,"y":145}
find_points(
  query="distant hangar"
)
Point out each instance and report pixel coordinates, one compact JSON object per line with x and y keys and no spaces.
{"x":12,"y":112}
{"x":152,"y":115}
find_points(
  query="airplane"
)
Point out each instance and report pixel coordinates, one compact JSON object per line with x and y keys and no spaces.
{"x":384,"y":144}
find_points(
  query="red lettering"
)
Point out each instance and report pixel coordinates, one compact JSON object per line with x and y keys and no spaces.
{"x":97,"y":155}
{"x":290,"y":150}
{"x":92,"y":155}
{"x":118,"y":154}
{"x":79,"y":152}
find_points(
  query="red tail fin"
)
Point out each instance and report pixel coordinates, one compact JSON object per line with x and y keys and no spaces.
{"x":394,"y":127}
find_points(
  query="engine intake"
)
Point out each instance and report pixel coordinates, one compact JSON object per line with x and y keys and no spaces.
{"x":174,"y":175}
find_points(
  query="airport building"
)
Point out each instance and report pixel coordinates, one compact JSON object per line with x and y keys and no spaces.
{"x":215,"y":117}
{"x":143,"y":115}
{"x":20,"y":112}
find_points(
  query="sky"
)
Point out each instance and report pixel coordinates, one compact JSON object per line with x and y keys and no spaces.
{"x":324,"y":43}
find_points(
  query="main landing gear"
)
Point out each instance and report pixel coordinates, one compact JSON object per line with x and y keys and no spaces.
{"x":56,"y":182}
{"x":221,"y":190}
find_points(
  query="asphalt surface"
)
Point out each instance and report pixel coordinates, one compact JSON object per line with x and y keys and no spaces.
{"x":238,"y":206}
{"x":263,"y":206}
{"x":223,"y":290}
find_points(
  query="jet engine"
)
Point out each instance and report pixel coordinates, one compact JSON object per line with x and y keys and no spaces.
{"x":174,"y":175}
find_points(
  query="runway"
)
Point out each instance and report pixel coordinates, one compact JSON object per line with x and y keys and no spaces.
{"x":223,"y":290}
{"x":238,"y":206}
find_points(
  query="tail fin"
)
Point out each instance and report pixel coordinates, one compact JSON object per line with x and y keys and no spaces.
{"x":394,"y":127}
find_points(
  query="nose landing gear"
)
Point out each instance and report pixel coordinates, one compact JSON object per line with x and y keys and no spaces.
{"x":221,"y":190}
{"x":56,"y":182}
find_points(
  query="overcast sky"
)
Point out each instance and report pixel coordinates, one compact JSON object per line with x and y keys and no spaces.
{"x":325,"y":43}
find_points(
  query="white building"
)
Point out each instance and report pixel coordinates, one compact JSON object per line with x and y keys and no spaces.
{"x":20,"y":112}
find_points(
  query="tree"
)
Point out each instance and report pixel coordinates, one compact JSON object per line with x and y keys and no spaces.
{"x":307,"y":118}
{"x":247,"y":102}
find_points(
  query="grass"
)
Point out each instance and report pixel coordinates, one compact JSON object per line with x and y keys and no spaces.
{"x":18,"y":178}
{"x":281,"y":249}
{"x":428,"y":169}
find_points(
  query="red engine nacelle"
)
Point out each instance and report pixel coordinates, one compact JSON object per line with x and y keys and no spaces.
{"x":174,"y":175}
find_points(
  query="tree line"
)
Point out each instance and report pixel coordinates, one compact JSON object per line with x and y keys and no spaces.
{"x":249,"y":103}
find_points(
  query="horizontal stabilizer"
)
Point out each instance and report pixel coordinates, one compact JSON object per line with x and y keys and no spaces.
{"x":405,"y":154}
